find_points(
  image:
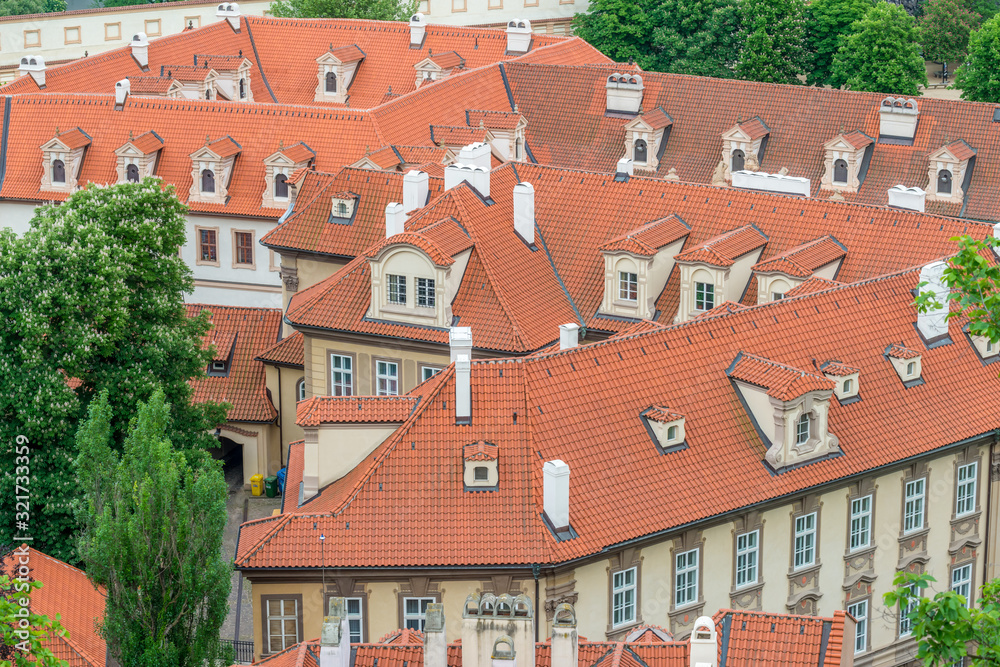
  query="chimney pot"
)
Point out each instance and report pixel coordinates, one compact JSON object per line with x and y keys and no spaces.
{"x":415,"y":190}
{"x":460,"y":342}
{"x":624,"y":93}
{"x":335,"y":643}
{"x":122,"y":90}
{"x":395,"y":219}
{"x":555,"y":493}
{"x":231,"y":12}
{"x":569,"y":336}
{"x":934,"y":323}
{"x":140,"y":49}
{"x":518,"y":35}
{"x":565,"y":639}
{"x":435,"y":645}
{"x":524,"y":212}
{"x":477,"y":154}
{"x":625,"y":166}
{"x":418,"y":29}
{"x":704,"y":643}
{"x":477,"y":177}
{"x":463,"y":389}
{"x":34,"y":66}
{"x":901,"y":196}
{"x":898,"y":118}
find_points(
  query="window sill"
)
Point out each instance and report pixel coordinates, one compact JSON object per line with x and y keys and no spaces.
{"x":805,"y":570}
{"x":419,"y":311}
{"x":859,"y":552}
{"x":621,"y":303}
{"x":250,"y":267}
{"x":914,"y":534}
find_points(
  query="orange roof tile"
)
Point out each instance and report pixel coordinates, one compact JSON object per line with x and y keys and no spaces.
{"x":494,"y":120}
{"x":857,"y":139}
{"x":348,"y":54}
{"x":457,"y":135}
{"x":837,"y":368}
{"x":649,"y":238}
{"x":298,"y":152}
{"x":447,"y":60}
{"x":288,"y":351}
{"x":801,"y":261}
{"x":353,"y":409}
{"x":659,"y":413}
{"x":149,"y":85}
{"x":722,"y":309}
{"x":725,"y":249}
{"x":148,"y":142}
{"x":814,"y":284}
{"x":961,"y":150}
{"x":75,"y":138}
{"x":219,"y":63}
{"x":899,"y":351}
{"x":754,"y":128}
{"x":189,"y":72}
{"x":441,"y":241}
{"x":480,"y":451}
{"x":657,"y":118}
{"x":224,"y":146}
{"x":782,"y":382}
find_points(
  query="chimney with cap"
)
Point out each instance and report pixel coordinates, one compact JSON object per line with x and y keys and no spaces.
{"x":35,"y":66}
{"x":524,"y":212}
{"x":555,"y":493}
{"x":415,"y":190}
{"x":569,"y":336}
{"x":503,"y":654}
{"x":231,"y":12}
{"x":140,"y":50}
{"x":901,"y":196}
{"x":897,"y":120}
{"x":335,"y":639}
{"x":477,"y":177}
{"x":624,"y":93}
{"x":933,"y":324}
{"x":460,"y":342}
{"x":122,"y":89}
{"x":394,"y":219}
{"x":463,"y":389}
{"x":624,"y":169}
{"x":518,"y":35}
{"x":418,"y":30}
{"x":435,"y":644}
{"x":565,"y":640}
{"x":704,"y":643}
{"x":477,"y":154}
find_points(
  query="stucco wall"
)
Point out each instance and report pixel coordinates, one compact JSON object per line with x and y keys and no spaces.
{"x":16,"y":216}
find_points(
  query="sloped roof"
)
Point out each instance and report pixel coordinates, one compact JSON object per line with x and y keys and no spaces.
{"x":288,"y":351}
{"x":456,"y":135}
{"x":149,"y":85}
{"x":75,"y":138}
{"x":353,"y":410}
{"x":495,"y":120}
{"x":857,"y":139}
{"x":961,"y":150}
{"x":348,"y":54}
{"x":447,"y":60}
{"x":725,"y":249}
{"x":782,"y":382}
{"x":147,"y":142}
{"x":814,"y":284}
{"x":802,"y":260}
{"x":900,"y":351}
{"x":441,"y":240}
{"x":649,"y":238}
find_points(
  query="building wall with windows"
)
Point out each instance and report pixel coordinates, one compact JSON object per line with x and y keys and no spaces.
{"x":230,"y":266}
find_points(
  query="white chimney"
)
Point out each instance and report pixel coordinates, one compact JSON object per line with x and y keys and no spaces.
{"x":901,"y":196}
{"x":463,"y":389}
{"x":555,"y":493}
{"x":435,"y":645}
{"x":477,"y":177}
{"x":503,"y":654}
{"x":231,"y":12}
{"x":394,"y":219}
{"x":625,"y":167}
{"x":418,"y":29}
{"x":897,"y":118}
{"x":569,"y":336}
{"x":518,"y":36}
{"x":565,"y":640}
{"x":759,"y":180}
{"x":335,"y":640}
{"x":140,"y":49}
{"x":624,"y":93}
{"x":934,"y":324}
{"x":524,"y":212}
{"x":35,"y":66}
{"x":477,"y":154}
{"x":415,"y":189}
{"x":460,"y":342}
{"x":122,"y":89}
{"x":704,"y":643}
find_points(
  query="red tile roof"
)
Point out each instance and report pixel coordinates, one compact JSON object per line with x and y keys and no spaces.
{"x":298,"y":152}
{"x":725,"y":249}
{"x":813,"y":285}
{"x":220,"y":63}
{"x":649,"y":238}
{"x":441,"y":240}
{"x":75,"y":138}
{"x":251,"y":331}
{"x":857,"y":139}
{"x":754,"y":128}
{"x":494,"y":120}
{"x":148,"y":142}
{"x":837,"y":368}
{"x":289,"y":351}
{"x":457,"y":135}
{"x":781,"y":381}
{"x":354,"y":410}
{"x":658,"y":413}
{"x":188,"y":72}
{"x":447,"y":60}
{"x":348,"y":54}
{"x":480,"y":451}
{"x":224,"y":146}
{"x":722,"y":308}
{"x":149,"y":85}
{"x":961,"y":150}
{"x":899,"y":351}
{"x":801,"y":261}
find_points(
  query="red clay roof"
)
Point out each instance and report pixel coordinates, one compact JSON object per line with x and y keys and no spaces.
{"x":813,"y":285}
{"x":224,"y":146}
{"x":837,"y":368}
{"x":857,"y":139}
{"x":188,"y":72}
{"x":447,"y":60}
{"x":659,"y":413}
{"x":75,"y":138}
{"x":348,"y":54}
{"x":456,"y":135}
{"x":220,"y":63}
{"x":354,"y":410}
{"x":441,"y":241}
{"x":480,"y":451}
{"x":649,"y":238}
{"x":781,"y":381}
{"x":754,"y":128}
{"x":494,"y":120}
{"x":899,"y":351}
{"x":288,"y":351}
{"x":725,"y":249}
{"x":801,"y":261}
{"x":722,"y":309}
{"x":251,"y":331}
{"x":148,"y":142}
{"x":149,"y":85}
{"x":961,"y":150}
{"x":298,"y":152}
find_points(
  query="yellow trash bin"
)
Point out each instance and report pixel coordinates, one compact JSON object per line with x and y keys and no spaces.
{"x":257,"y":485}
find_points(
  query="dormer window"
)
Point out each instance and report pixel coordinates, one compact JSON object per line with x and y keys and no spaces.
{"x":949,"y":171}
{"x":243,"y":89}
{"x":481,"y":472}
{"x":138,"y":157}
{"x":666,"y":427}
{"x":944,"y":182}
{"x":211,"y":170}
{"x":907,"y":364}
{"x":519,"y":149}
{"x":336,"y":69}
{"x":802,"y":430}
{"x":738,"y":160}
{"x":639,"y":153}
{"x":281,"y":187}
{"x":62,"y":160}
{"x":987,"y":350}
{"x":132,"y":173}
{"x":628,"y":286}
{"x":847,"y":156}
{"x":911,"y":369}
{"x":425,"y":292}
{"x":218,"y":367}
{"x":840,"y":172}
{"x":848,"y":386}
{"x":58,"y":172}
{"x":646,"y":138}
{"x":704,"y":296}
{"x":341,"y":209}
{"x":845,"y":379}
{"x":672,"y":433}
{"x":331,"y":82}
{"x":208,"y":181}
{"x":743,"y":146}
{"x":278,"y":170}
{"x":717,"y":270}
{"x":396,"y":289}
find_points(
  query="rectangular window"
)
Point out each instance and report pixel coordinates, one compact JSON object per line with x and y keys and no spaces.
{"x":859,"y":610}
{"x":424,"y":6}
{"x":71,"y":35}
{"x":905,"y":623}
{"x":777,"y":296}
{"x":425,"y":292}
{"x":415,"y":612}
{"x":396,"y":286}
{"x":192,"y":22}
{"x":152,"y":27}
{"x":746,"y":558}
{"x":32,"y":38}
{"x":686,"y":578}
{"x":805,"y":540}
{"x":387,"y":378}
{"x":208,"y":242}
{"x":913,"y":506}
{"x":861,"y":523}
{"x":965,"y":493}
{"x":243,"y":241}
{"x":495,"y":4}
{"x":530,"y":3}
{"x":427,"y":372}
{"x":112,"y":32}
{"x":282,"y":624}
{"x":961,"y":582}
{"x":704,"y":296}
{"x":341,"y":375}
{"x":458,"y":5}
{"x":628,"y":286}
{"x":623,"y":597}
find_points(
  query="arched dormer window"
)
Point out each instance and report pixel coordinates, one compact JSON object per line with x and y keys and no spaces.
{"x":342,"y":210}
{"x":58,"y":171}
{"x":802,"y":430}
{"x":243,"y":89}
{"x":132,"y":173}
{"x":208,"y":93}
{"x":208,"y":181}
{"x":640,"y":151}
{"x":331,"y":82}
{"x":300,"y":390}
{"x":944,"y":182}
{"x":739,"y":159}
{"x":280,"y":186}
{"x":840,"y":171}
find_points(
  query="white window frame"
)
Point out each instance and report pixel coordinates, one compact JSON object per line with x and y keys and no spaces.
{"x":419,"y":618}
{"x":859,"y":610}
{"x":913,"y":505}
{"x":965,"y":489}
{"x":395,"y":289}
{"x":802,"y":435}
{"x":427,"y":372}
{"x":961,"y":582}
{"x":355,"y":619}
{"x":804,"y":542}
{"x":345,"y":387}
{"x":686,"y":578}
{"x":300,"y":390}
{"x":706,"y":297}
{"x":280,"y":616}
{"x":425,"y":292}
{"x":747,"y":558}
{"x":623,"y":597}
{"x":905,"y":622}
{"x":628,"y":286}
{"x":860,"y":536}
{"x":391,"y":379}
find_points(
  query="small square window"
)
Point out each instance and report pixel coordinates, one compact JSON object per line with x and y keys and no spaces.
{"x":218,"y":367}
{"x":396,"y":289}
{"x":112,"y":32}
{"x":777,"y":296}
{"x":71,"y":35}
{"x":458,"y":5}
{"x":32,"y":38}
{"x":152,"y":27}
{"x":628,"y":286}
{"x":425,"y":292}
{"x":481,"y":473}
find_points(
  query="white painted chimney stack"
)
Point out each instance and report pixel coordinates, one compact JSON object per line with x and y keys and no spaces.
{"x":555,"y":493}
{"x":625,"y":166}
{"x":335,"y":640}
{"x":435,"y":645}
{"x":418,"y":29}
{"x":231,"y":12}
{"x":460,"y":342}
{"x":415,"y":189}
{"x":934,"y":324}
{"x":477,"y":154}
{"x":524,"y":212}
{"x":35,"y":66}
{"x":704,"y":643}
{"x":518,"y":35}
{"x":394,"y":219}
{"x":565,"y":640}
{"x":913,"y":199}
{"x":122,"y":89}
{"x":503,"y":654}
{"x":569,"y":336}
{"x":897,"y":118}
{"x":140,"y":49}
{"x":624,"y":93}
{"x":477,"y":177}
{"x":463,"y":389}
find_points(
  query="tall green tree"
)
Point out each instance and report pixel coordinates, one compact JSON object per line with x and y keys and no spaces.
{"x":699,"y":37}
{"x":376,"y":10}
{"x":881,"y":54}
{"x":828,"y":21}
{"x":944,"y":29}
{"x":773,"y":41}
{"x":93,"y":292}
{"x":152,"y":526}
{"x":974,"y":288}
{"x":25,"y":646}
{"x":620,"y":29}
{"x":979,"y":76}
{"x":22,"y":7}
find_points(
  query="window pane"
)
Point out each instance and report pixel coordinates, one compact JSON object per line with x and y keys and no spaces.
{"x":353,"y":606}
{"x":289,"y":607}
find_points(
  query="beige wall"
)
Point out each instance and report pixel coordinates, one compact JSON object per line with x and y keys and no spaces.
{"x":285,"y":398}
{"x":260,"y":452}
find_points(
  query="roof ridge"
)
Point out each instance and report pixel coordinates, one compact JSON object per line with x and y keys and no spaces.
{"x":281,"y":521}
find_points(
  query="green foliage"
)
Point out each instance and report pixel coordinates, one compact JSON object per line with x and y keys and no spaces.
{"x":620,"y":29}
{"x":881,"y":54}
{"x":699,"y":37}
{"x":829,"y":21}
{"x":93,"y":291}
{"x":152,"y":527}
{"x":974,"y":287}
{"x":773,"y":41}
{"x":979,"y":76}
{"x":22,"y":7}
{"x":23,"y":646}
{"x":944,"y":29}
{"x":377,"y":10}
{"x":943,"y":626}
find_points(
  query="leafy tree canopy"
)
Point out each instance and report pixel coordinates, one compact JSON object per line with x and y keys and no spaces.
{"x":620,"y":29}
{"x":828,"y":21}
{"x":974,"y":288}
{"x":699,"y":37}
{"x":979,"y":76}
{"x":881,"y":54}
{"x":773,"y":40}
{"x":377,"y":10}
{"x":22,"y":7}
{"x":944,"y":29}
{"x":24,"y":646}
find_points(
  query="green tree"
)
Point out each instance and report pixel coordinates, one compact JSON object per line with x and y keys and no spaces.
{"x":881,"y":54}
{"x":699,"y":37}
{"x":22,"y":632}
{"x":93,"y":291}
{"x":620,"y":29}
{"x":979,"y":76}
{"x":973,"y":288}
{"x":829,"y":21}
{"x":152,"y":525}
{"x":376,"y":10}
{"x":944,"y":30}
{"x":944,"y":626}
{"x":773,"y":41}
{"x":22,"y":7}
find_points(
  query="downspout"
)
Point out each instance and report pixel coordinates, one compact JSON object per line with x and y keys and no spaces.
{"x":989,"y":503}
{"x":536,"y":570}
